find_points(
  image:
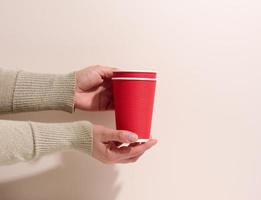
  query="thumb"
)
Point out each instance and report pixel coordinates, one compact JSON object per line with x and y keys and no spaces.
{"x":119,"y":136}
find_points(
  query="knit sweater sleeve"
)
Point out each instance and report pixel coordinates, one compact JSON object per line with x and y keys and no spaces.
{"x":22,"y":91}
{"x":24,"y":141}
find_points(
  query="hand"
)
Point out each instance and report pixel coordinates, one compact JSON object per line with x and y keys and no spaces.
{"x":107,"y":150}
{"x":94,"y":88}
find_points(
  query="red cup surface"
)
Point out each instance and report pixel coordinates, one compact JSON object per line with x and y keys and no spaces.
{"x":133,"y":101}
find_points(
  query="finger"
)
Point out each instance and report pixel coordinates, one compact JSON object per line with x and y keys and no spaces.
{"x":117,"y":143}
{"x":118,"y":151}
{"x":134,"y":144}
{"x":111,"y":156}
{"x":106,"y":71}
{"x":139,"y":149}
{"x":132,"y":159}
{"x":127,"y":152}
{"x":119,"y":136}
{"x":109,"y":68}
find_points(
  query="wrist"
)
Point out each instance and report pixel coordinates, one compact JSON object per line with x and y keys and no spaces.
{"x":76,"y":100}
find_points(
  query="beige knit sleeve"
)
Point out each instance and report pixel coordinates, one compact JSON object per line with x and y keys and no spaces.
{"x":22,"y":91}
{"x":24,"y":141}
{"x":7,"y":87}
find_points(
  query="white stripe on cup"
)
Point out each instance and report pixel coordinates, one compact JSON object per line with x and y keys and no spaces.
{"x":133,"y":70}
{"x":134,"y":78}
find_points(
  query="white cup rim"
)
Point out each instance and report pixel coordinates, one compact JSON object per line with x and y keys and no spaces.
{"x":134,"y":78}
{"x":133,"y":70}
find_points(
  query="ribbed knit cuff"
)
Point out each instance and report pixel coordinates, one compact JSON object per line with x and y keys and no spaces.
{"x":55,"y":137}
{"x":35,"y":92}
{"x":7,"y":86}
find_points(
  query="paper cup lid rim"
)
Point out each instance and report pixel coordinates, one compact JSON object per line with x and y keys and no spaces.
{"x":134,"y":78}
{"x":142,"y":140}
{"x":133,"y":70}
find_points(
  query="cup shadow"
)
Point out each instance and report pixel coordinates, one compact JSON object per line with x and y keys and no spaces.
{"x":77,"y":176}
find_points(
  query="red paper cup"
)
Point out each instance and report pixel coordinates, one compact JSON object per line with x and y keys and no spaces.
{"x":134,"y":93}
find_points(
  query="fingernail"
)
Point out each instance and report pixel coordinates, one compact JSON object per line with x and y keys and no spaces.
{"x":132,"y":137}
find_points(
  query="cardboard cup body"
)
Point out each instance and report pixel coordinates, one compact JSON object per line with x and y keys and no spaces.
{"x":133,"y":100}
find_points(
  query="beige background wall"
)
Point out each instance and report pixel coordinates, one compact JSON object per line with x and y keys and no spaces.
{"x":207,"y":113}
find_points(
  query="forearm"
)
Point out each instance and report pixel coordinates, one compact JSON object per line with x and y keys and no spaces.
{"x":24,"y":141}
{"x":22,"y":91}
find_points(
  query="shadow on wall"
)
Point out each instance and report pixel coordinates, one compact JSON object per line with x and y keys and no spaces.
{"x":77,"y":176}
